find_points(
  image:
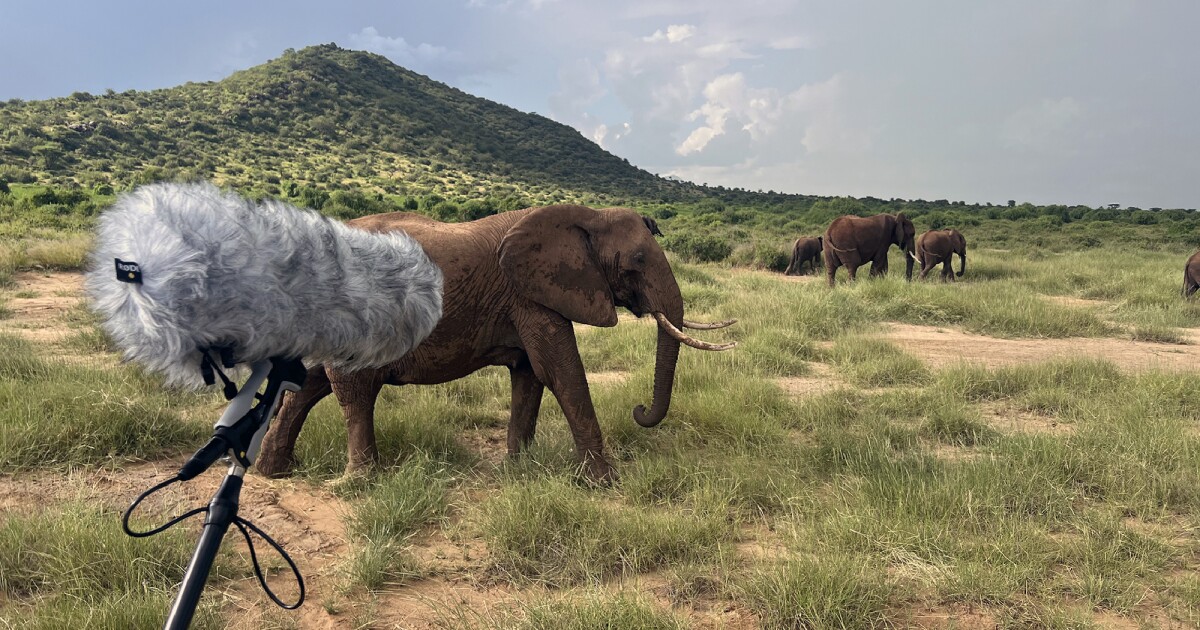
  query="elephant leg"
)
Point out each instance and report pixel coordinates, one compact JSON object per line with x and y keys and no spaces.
{"x":556,"y":362}
{"x":276,"y":456}
{"x":947,"y":272}
{"x":356,"y":393}
{"x":879,"y":266}
{"x":831,"y":266}
{"x":526,"y":403}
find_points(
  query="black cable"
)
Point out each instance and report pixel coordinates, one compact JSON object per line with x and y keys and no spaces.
{"x":161,"y":528}
{"x":242,"y":524}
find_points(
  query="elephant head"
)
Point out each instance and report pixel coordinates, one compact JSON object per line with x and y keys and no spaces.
{"x":583,"y":263}
{"x":960,"y":246}
{"x":904,"y":234}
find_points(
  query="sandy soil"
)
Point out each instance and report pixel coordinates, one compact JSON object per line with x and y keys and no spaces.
{"x":309,"y":519}
{"x":40,"y":318}
{"x":940,"y":347}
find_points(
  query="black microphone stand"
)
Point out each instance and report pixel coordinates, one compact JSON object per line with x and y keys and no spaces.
{"x":237,"y":437}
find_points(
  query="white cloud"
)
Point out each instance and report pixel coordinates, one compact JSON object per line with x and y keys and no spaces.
{"x":396,"y":48}
{"x":602,"y":137}
{"x":828,"y":129}
{"x":813,"y":116}
{"x":675,"y":33}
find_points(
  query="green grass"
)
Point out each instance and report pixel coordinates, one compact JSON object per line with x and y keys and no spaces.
{"x":49,"y":251}
{"x":550,"y":531}
{"x":598,"y":611}
{"x":60,"y":415}
{"x":74,"y":567}
{"x":835,"y":592}
{"x":399,"y":501}
{"x":905,"y":487}
{"x":574,"y":611}
{"x":379,"y":565}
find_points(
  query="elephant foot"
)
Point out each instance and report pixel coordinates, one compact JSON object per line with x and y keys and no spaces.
{"x":353,"y":480}
{"x":274,"y":463}
{"x":597,"y":471}
{"x":361,"y":467}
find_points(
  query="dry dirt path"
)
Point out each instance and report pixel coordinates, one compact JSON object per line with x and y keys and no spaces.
{"x":940,"y":346}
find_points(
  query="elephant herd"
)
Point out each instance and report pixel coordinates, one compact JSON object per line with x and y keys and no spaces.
{"x":852,"y":242}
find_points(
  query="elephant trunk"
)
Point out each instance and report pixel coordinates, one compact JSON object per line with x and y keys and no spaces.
{"x":665,"y":360}
{"x":909,"y":258}
{"x":962,"y":267}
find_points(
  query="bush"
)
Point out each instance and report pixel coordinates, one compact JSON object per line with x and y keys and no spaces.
{"x":698,"y":247}
{"x":761,"y":256}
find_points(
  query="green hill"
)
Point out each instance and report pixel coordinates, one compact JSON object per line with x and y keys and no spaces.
{"x":322,"y":117}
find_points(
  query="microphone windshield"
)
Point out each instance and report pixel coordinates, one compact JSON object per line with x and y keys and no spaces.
{"x":177,"y":268}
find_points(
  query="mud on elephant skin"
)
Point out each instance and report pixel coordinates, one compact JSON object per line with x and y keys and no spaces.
{"x":1191,"y":275}
{"x":514,"y":283}
{"x":805,"y":249}
{"x":853,"y":241}
{"x":937,"y":247}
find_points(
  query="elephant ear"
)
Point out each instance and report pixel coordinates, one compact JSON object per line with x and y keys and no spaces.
{"x":549,"y":258}
{"x":898,"y":230}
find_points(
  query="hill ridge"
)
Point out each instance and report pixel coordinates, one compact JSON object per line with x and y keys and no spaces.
{"x":321,"y":116}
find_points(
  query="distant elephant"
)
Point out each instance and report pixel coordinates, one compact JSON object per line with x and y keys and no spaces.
{"x":513,"y":285}
{"x":937,"y":247}
{"x":1191,"y":275}
{"x":805,"y":249}
{"x":852,"y":242}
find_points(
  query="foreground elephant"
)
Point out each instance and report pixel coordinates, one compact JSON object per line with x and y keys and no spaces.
{"x":513,"y":285}
{"x":1191,"y":275}
{"x":805,"y":249}
{"x":852,"y":242}
{"x":937,"y":247}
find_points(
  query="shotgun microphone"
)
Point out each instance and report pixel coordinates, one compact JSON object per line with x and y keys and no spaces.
{"x":179,"y":270}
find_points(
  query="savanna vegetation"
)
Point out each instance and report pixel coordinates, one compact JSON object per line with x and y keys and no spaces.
{"x":821,"y":475}
{"x":1055,"y":493}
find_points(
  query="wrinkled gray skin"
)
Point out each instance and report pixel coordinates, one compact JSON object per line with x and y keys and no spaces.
{"x":937,"y":247}
{"x":514,"y":284}
{"x":805,"y":249}
{"x":1191,"y":275}
{"x":852,"y":242}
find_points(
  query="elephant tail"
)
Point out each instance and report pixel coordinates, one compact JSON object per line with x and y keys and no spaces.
{"x":830,"y":245}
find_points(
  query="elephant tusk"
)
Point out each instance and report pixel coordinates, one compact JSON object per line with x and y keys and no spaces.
{"x":681,"y":337}
{"x":712,"y":326}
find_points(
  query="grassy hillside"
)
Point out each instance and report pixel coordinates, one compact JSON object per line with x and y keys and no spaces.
{"x":322,"y":117}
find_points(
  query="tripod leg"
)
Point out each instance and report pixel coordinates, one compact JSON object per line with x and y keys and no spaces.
{"x":221,"y":513}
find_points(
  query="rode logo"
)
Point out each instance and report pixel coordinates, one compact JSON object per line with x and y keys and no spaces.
{"x":128,"y":271}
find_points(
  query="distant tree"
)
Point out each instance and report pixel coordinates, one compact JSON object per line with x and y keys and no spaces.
{"x":477,"y":209}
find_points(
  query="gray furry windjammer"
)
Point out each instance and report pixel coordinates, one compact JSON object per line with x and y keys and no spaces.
{"x":267,"y":279}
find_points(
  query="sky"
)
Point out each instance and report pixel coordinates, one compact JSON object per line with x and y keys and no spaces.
{"x":1045,"y":101}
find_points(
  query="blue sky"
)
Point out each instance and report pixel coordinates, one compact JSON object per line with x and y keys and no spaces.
{"x":1047,"y":101}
